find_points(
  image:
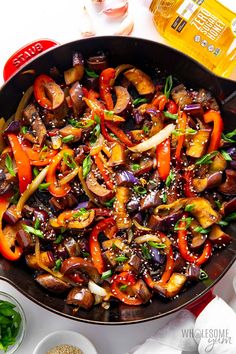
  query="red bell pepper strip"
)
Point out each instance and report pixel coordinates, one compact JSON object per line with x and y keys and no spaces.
{"x":5,"y":249}
{"x":22,"y":162}
{"x":92,"y":95}
{"x":188,"y":184}
{"x":172,"y":107}
{"x":103,"y":171}
{"x":184,"y":250}
{"x":104,"y":129}
{"x":160,"y":102}
{"x":119,"y":133}
{"x":124,"y":278}
{"x":105,"y":86}
{"x":95,"y":249}
{"x":54,"y":188}
{"x":182,"y":123}
{"x":163,"y":159}
{"x":38,"y":158}
{"x":43,"y":83}
{"x":39,"y":91}
{"x":218,"y":126}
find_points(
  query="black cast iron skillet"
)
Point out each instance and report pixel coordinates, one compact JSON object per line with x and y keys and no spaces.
{"x":144,"y":54}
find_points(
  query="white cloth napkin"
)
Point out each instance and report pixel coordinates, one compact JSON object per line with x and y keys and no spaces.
{"x":185,"y":334}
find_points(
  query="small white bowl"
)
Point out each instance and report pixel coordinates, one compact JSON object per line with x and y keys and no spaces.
{"x":65,"y":337}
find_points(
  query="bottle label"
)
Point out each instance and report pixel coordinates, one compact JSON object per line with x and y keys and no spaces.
{"x":208,"y":24}
{"x":187,"y":8}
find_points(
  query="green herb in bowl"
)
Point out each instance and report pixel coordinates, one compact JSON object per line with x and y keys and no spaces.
{"x":11,"y":324}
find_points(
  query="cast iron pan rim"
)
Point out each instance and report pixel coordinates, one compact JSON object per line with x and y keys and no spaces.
{"x":195,"y":297}
{"x":78,"y":319}
{"x":144,"y":40}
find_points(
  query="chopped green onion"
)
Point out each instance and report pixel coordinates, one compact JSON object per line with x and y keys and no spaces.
{"x":170,"y":178}
{"x":230,"y":217}
{"x":203,"y":275}
{"x":67,"y":138}
{"x":121,"y":259}
{"x":206,"y":159}
{"x":44,"y":148}
{"x":10,"y":320}
{"x":187,"y":131}
{"x":110,"y":202}
{"x":188,"y":222}
{"x":225,"y":155}
{"x":9,"y":165}
{"x":201,"y":230}
{"x":168,"y":86}
{"x":85,"y":254}
{"x":135,"y":166}
{"x":57,"y":264}
{"x":170,"y":115}
{"x":69,"y":161}
{"x":223,"y":223}
{"x":140,"y":190}
{"x":145,"y":252}
{"x":156,"y":245}
{"x":32,"y":230}
{"x":164,"y":197}
{"x":227,"y":137}
{"x":218,"y":203}
{"x":43,"y":186}
{"x":80,"y":212}
{"x":95,"y":133}
{"x":106,"y":274}
{"x":138,"y":101}
{"x":189,"y":207}
{"x":91,"y":73}
{"x":146,"y":129}
{"x":108,"y":113}
{"x":37,"y":223}
{"x":58,"y":239}
{"x":14,"y":199}
{"x":87,"y":163}
{"x":24,"y":129}
{"x":35,"y":171}
{"x":123,"y":287}
{"x":81,"y":124}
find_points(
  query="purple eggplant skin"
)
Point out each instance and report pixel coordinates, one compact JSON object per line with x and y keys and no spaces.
{"x":179,"y":263}
{"x":166,"y":223}
{"x":193,"y":272}
{"x":13,"y":128}
{"x":228,"y":207}
{"x":232,"y":152}
{"x":157,"y":255}
{"x":194,"y":109}
{"x":151,"y":200}
{"x":126,"y":178}
{"x":229,"y":186}
{"x":133,"y":205}
{"x":52,"y":284}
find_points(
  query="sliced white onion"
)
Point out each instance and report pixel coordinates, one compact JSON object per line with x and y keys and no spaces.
{"x":147,"y":238}
{"x":96,"y":289}
{"x":154,"y":140}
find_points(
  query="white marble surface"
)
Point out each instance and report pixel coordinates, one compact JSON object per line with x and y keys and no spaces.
{"x":25,"y":21}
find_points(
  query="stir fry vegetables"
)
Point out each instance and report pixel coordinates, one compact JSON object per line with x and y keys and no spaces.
{"x":116,"y":184}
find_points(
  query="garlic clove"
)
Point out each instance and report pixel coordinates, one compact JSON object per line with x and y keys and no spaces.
{"x":125,"y":27}
{"x":116,"y":8}
{"x":86,"y":27}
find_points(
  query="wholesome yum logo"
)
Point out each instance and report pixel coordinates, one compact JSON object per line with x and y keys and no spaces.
{"x":212,"y":336}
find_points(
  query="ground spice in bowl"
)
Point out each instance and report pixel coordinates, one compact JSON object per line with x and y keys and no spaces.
{"x":65,"y":349}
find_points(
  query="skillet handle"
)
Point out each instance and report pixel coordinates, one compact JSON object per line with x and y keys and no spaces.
{"x":25,"y":54}
{"x":198,"y":306}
